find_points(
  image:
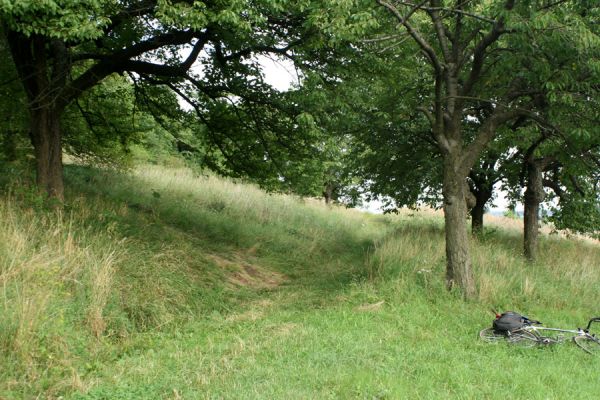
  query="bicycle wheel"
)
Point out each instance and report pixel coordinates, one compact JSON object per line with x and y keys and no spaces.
{"x":523,"y":339}
{"x":587,"y":343}
{"x":488,"y":335}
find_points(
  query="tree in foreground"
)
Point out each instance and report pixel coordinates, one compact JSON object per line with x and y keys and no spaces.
{"x":202,"y":50}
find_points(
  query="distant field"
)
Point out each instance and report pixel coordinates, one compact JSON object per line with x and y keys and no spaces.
{"x":165,"y":284}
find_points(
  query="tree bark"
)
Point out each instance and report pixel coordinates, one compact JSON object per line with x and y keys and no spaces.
{"x":481,"y":186}
{"x":458,"y":269}
{"x":42,"y":67}
{"x":477,"y":217}
{"x":327,"y":193}
{"x":329,"y":189}
{"x":534,"y":195}
{"x":47,"y":145}
{"x":482,"y":195}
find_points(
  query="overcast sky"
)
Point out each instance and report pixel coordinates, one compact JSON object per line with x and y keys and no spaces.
{"x":280,"y":74}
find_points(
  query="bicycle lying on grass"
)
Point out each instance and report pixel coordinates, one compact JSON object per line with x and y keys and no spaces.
{"x":531,"y":333}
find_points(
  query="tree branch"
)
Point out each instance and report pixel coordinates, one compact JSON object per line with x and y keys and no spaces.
{"x":403,"y":20}
{"x":486,"y":134}
{"x":263,"y":49}
{"x":479,"y":54}
{"x":440,"y":32}
{"x":121,"y":61}
{"x":382,"y":38}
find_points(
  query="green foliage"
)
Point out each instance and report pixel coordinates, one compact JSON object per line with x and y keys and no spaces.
{"x":548,"y":68}
{"x":13,"y":122}
{"x":182,"y":15}
{"x":369,"y":108}
{"x":101,"y":125}
{"x":511,"y":213}
{"x":578,"y":212}
{"x":558,"y":60}
{"x":59,"y":19}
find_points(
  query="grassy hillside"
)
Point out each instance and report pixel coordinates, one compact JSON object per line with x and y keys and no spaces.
{"x":163,"y":284}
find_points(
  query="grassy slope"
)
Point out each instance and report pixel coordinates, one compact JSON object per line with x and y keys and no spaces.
{"x":166,"y":285}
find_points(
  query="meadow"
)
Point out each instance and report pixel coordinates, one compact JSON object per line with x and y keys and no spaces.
{"x":164,"y":283}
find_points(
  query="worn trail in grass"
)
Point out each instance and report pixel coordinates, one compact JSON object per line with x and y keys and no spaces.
{"x":213,"y":289}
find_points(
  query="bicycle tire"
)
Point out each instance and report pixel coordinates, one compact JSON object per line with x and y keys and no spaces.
{"x":589,"y":344}
{"x":522,"y":338}
{"x":488,"y":335}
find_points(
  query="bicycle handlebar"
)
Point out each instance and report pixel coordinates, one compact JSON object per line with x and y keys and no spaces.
{"x":595,"y":319}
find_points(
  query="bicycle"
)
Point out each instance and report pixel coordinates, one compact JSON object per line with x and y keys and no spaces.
{"x":533,"y":334}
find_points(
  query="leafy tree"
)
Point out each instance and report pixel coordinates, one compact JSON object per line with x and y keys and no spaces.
{"x":104,"y":122}
{"x":567,"y":100}
{"x":561,"y":141}
{"x":62,"y":48}
{"x":552,"y":167}
{"x":99,"y":125}
{"x":476,"y":53}
{"x":378,"y":154}
{"x":456,"y":45}
{"x":326,"y":102}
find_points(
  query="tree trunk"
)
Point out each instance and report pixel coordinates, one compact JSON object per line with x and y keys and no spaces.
{"x":47,"y":145}
{"x":483,"y":193}
{"x":328,"y":189}
{"x":477,"y":217}
{"x":42,"y":65}
{"x":330,"y":194}
{"x":458,"y":263}
{"x":534,"y":195}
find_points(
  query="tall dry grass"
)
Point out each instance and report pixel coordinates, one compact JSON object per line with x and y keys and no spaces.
{"x":190,"y":190}
{"x":50,"y":274}
{"x":567,"y":273}
{"x":101,"y":285}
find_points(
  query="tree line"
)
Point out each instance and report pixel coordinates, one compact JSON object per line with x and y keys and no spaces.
{"x":433,"y":102}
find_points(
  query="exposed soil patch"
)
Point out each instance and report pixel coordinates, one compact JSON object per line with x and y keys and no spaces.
{"x":242,"y":273}
{"x":370,"y":307}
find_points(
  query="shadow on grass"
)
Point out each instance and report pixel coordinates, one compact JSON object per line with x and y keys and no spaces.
{"x":323,"y":263}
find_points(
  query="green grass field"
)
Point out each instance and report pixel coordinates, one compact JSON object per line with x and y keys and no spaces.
{"x":161,"y":284}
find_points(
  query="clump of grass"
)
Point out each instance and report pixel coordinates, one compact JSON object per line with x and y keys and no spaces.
{"x":415,"y":246}
{"x":42,"y":270}
{"x":101,"y":285}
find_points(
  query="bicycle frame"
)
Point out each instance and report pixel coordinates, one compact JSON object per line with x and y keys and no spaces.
{"x":533,"y":334}
{"x":537,"y":329}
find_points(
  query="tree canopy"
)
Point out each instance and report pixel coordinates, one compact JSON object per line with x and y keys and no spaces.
{"x":203,"y":51}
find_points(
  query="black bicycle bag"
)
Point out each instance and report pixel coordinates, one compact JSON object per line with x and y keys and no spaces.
{"x":509,"y":322}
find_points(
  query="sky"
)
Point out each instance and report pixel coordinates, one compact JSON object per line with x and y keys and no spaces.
{"x":279,"y":73}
